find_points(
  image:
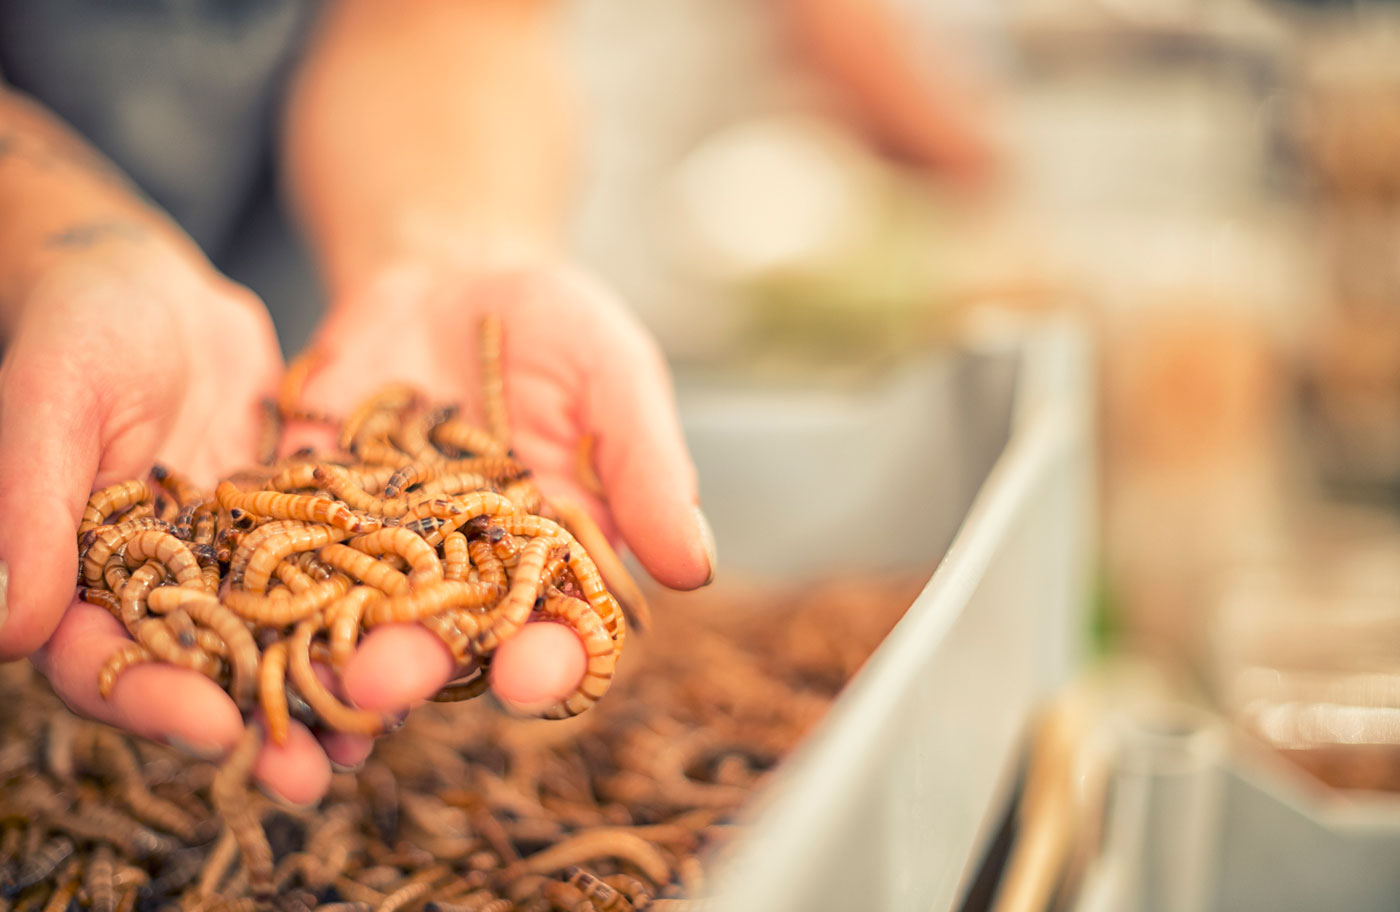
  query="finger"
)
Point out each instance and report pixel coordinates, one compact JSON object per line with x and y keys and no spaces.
{"x":296,"y":771}
{"x":346,"y":752}
{"x":538,"y":667}
{"x":646,"y":470}
{"x":49,"y":454}
{"x":396,"y":666}
{"x":155,"y":700}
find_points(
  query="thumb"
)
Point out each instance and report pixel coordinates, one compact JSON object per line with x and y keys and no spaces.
{"x":49,"y":453}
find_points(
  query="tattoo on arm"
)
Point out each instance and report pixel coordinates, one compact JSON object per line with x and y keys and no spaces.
{"x":87,"y":234}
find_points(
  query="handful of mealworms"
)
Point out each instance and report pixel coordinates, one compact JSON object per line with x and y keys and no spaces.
{"x":465,"y":809}
{"x":420,"y":518}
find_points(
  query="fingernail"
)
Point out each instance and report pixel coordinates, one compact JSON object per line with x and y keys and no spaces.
{"x":347,"y":767}
{"x":707,"y":539}
{"x":190,"y":749}
{"x":277,"y":799}
{"x":4,"y":591}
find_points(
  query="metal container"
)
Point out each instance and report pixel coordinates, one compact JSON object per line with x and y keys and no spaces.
{"x":985,"y":449}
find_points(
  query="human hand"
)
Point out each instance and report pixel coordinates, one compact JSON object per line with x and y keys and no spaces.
{"x":122,"y":353}
{"x":574,"y":363}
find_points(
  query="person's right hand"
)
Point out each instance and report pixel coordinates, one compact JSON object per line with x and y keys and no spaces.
{"x":122,"y":353}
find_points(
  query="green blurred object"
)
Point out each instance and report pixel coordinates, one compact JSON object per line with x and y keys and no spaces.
{"x":1105,"y":617}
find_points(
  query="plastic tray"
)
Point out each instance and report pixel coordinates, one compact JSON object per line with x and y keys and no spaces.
{"x":983,"y":453}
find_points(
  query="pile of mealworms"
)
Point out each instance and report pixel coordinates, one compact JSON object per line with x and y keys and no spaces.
{"x":422,"y":517}
{"x":464,"y":810}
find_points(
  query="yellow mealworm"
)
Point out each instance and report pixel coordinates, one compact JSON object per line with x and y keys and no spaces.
{"x":394,"y":398}
{"x":345,"y":616}
{"x":605,"y":897}
{"x":269,"y":433}
{"x":229,"y":793}
{"x":173,"y":554}
{"x":289,"y":391}
{"x":245,"y":546}
{"x":602,"y":842}
{"x":580,"y":564}
{"x":487,"y":564}
{"x":99,"y":880}
{"x":205,"y":609}
{"x":108,"y":540}
{"x":177,"y":484}
{"x":276,"y":505}
{"x":428,"y":600}
{"x":364,"y":567}
{"x":506,"y":618}
{"x":411,"y":433}
{"x":493,"y":381}
{"x":334,"y":713}
{"x":271,"y":552}
{"x":461,"y":691}
{"x":182,"y":626}
{"x":102,"y":599}
{"x":204,"y":522}
{"x":602,"y":653}
{"x":119,"y":661}
{"x":524,"y":494}
{"x":451,"y":483}
{"x":109,"y":500}
{"x":457,"y":629}
{"x":277,"y":610}
{"x":136,"y":592}
{"x":114,"y":573}
{"x":584,"y":471}
{"x":620,"y":582}
{"x":272,"y":692}
{"x":466,"y":438}
{"x":156,"y":636}
{"x":113,"y":753}
{"x":455,"y":557}
{"x":422,"y":559}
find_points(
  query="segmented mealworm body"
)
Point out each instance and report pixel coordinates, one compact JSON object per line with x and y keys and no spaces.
{"x":391,"y":399}
{"x":173,"y":554}
{"x":229,"y":792}
{"x":334,"y":713}
{"x":430,"y":599}
{"x":269,"y":433}
{"x":493,"y":381}
{"x":276,"y":548}
{"x":397,"y":540}
{"x":524,"y":494}
{"x":272,"y":690}
{"x":345,"y":616}
{"x":39,"y":866}
{"x":602,"y":653}
{"x":456,"y":558}
{"x":272,"y":611}
{"x":113,"y":753}
{"x":206,"y":610}
{"x":99,"y":881}
{"x":102,"y":599}
{"x":615,"y":575}
{"x":364,"y":567}
{"x":467,"y":439}
{"x":506,"y":618}
{"x":457,"y":629}
{"x":177,"y":484}
{"x":602,"y":842}
{"x":276,"y":505}
{"x":119,"y":661}
{"x":461,"y":691}
{"x":108,"y":540}
{"x":156,"y":636}
{"x":251,"y":541}
{"x":109,"y":500}
{"x":136,"y":592}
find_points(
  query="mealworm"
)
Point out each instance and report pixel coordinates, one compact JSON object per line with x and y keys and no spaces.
{"x":102,"y":599}
{"x":603,"y":842}
{"x":271,"y":611}
{"x":396,"y":540}
{"x":565,"y":896}
{"x":225,"y":543}
{"x":113,"y":753}
{"x":524,"y":494}
{"x":364,"y":567}
{"x":415,"y":889}
{"x":108,"y":540}
{"x":507,"y":617}
{"x":269,"y":433}
{"x":289,"y":391}
{"x":204,"y":522}
{"x":206,"y":610}
{"x":109,"y":500}
{"x":604,"y":896}
{"x":457,"y":629}
{"x":276,"y":505}
{"x":614,"y":572}
{"x":276,"y":548}
{"x":39,"y":866}
{"x":66,"y":887}
{"x":100,"y":823}
{"x":394,"y":398}
{"x":636,"y":892}
{"x":465,"y":438}
{"x":461,"y":691}
{"x":119,"y":661}
{"x":99,"y":880}
{"x":177,"y":484}
{"x":272,"y":692}
{"x":308,"y":562}
{"x":156,"y":636}
{"x":493,"y":380}
{"x":430,"y":599}
{"x":580,"y":564}
{"x":173,"y":554}
{"x":585,"y":473}
{"x":229,"y":793}
{"x":334,"y":713}
{"x":345,"y":616}
{"x":251,"y":541}
{"x":438,"y":476}
{"x":602,"y":653}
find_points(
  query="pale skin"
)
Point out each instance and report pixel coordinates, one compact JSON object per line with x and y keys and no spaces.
{"x":430,"y":197}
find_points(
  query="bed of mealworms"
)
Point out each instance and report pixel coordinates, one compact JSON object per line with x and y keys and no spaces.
{"x":465,"y":808}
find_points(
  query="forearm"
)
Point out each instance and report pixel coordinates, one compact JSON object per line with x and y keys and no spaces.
{"x":436,"y":128}
{"x":58,"y":194}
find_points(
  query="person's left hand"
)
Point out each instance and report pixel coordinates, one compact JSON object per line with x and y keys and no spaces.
{"x":575,"y":362}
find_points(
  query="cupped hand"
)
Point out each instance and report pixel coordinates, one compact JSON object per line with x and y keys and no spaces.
{"x":119,"y":358}
{"x":575,"y":363}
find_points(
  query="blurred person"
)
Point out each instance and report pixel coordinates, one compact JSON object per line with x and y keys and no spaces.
{"x":425,"y":150}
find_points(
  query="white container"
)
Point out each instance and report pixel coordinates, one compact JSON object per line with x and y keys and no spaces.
{"x":891,"y":802}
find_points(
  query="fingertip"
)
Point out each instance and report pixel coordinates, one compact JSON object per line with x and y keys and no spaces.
{"x":539,"y":666}
{"x":37,"y":568}
{"x":297,"y":772}
{"x":175,"y":705}
{"x":396,"y":666}
{"x":673,"y":540}
{"x":346,"y":752}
